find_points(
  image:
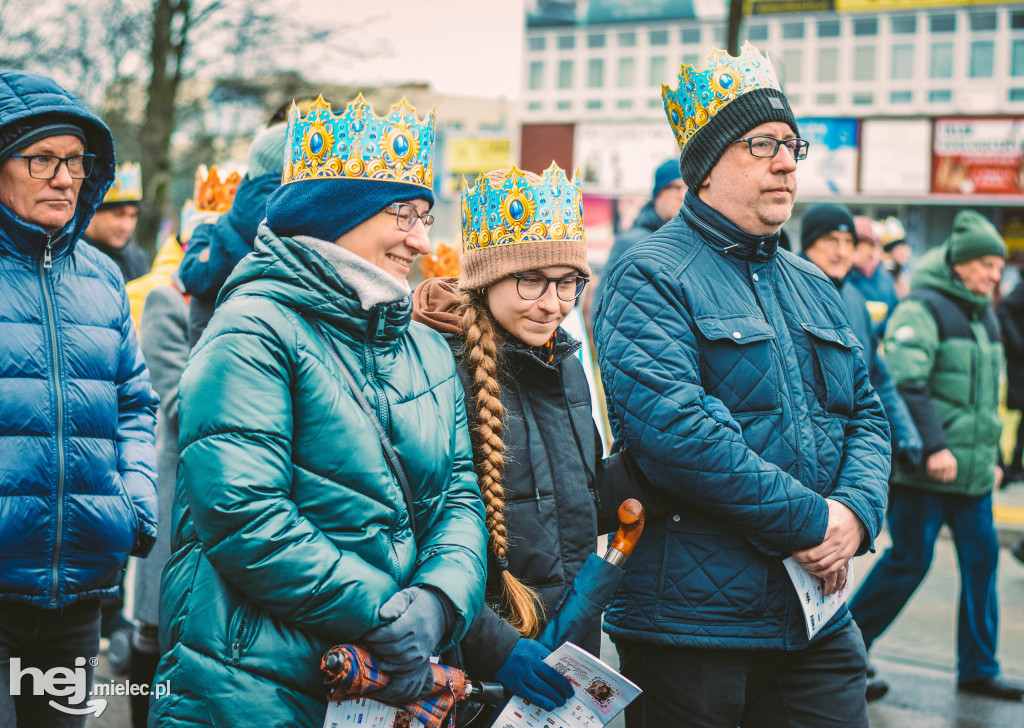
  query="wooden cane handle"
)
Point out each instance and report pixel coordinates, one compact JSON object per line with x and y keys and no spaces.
{"x":631,"y":525}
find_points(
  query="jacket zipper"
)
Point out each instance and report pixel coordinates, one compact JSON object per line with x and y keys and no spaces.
{"x":236,"y":646}
{"x":45,"y":266}
{"x":974,"y":376}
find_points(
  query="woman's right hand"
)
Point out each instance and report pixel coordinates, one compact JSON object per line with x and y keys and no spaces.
{"x":527,"y":675}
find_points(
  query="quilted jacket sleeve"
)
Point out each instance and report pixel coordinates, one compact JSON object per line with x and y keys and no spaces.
{"x":647,"y":350}
{"x":451,"y":552}
{"x":236,"y":470}
{"x":136,"y":422}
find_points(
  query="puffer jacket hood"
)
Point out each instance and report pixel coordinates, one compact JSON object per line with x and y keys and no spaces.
{"x":437,"y":302}
{"x":25,"y":95}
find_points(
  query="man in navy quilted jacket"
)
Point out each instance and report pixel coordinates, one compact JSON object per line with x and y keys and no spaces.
{"x":734,"y":378}
{"x":77,"y":463}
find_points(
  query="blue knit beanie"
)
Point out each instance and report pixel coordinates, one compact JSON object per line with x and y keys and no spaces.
{"x":329,"y":208}
{"x":665,"y":174}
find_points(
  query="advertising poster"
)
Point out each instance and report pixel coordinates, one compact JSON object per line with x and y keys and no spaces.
{"x":599,"y":227}
{"x":978,"y":156}
{"x":620,"y":158}
{"x":895,"y":156}
{"x":468,"y":157}
{"x":831,"y":165}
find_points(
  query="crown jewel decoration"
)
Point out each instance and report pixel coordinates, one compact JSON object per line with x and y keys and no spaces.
{"x":702,"y":94}
{"x":515,"y":210}
{"x":127,"y":185}
{"x":358,"y":144}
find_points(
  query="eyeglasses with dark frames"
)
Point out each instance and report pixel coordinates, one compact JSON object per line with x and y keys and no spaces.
{"x":532,"y":286}
{"x":46,"y":166}
{"x":406,"y":216}
{"x":766,"y":147}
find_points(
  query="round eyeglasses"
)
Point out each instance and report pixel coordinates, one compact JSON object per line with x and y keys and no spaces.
{"x":767,"y":147}
{"x":532,"y":286}
{"x":406,"y":217}
{"x":46,"y":166}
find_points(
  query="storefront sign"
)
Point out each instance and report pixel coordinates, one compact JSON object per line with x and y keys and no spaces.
{"x":978,"y":156}
{"x":895,"y":156}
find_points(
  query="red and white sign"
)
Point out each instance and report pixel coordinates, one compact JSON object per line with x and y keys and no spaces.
{"x":978,"y":156}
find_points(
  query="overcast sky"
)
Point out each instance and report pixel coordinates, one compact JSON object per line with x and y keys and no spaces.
{"x":467,"y":47}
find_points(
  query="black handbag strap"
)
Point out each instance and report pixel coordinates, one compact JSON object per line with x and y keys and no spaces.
{"x":389,"y":451}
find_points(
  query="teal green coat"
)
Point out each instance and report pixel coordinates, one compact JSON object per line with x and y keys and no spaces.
{"x":289,"y":530}
{"x":950,"y":382}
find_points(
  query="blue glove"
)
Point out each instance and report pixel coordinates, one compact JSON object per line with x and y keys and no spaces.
{"x":717,"y":410}
{"x":415,"y":623}
{"x":527,"y":675}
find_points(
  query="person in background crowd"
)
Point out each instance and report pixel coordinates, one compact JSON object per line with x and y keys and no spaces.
{"x":294,"y":531}
{"x":1010,"y":311}
{"x":537,"y":450}
{"x":215,"y":249}
{"x":111,"y":227}
{"x":77,"y":411}
{"x":942,"y":346}
{"x":870,"y":277}
{"x":666,"y":199}
{"x":898,"y":255}
{"x":736,"y":383}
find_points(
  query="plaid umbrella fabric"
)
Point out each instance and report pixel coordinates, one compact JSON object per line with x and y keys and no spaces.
{"x":352,"y":672}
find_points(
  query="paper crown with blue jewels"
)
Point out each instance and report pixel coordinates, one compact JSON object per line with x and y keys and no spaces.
{"x":700,"y":95}
{"x":127,"y":185}
{"x":358,"y":144}
{"x":515,"y":210}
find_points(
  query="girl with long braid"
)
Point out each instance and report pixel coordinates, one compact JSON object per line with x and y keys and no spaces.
{"x":536,"y":449}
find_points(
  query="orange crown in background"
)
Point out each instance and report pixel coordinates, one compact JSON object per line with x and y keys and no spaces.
{"x":213,"y":194}
{"x":442,"y":263}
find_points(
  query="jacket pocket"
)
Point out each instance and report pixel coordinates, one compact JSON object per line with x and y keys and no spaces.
{"x":738,"y":364}
{"x":709,"y":576}
{"x":833,"y":367}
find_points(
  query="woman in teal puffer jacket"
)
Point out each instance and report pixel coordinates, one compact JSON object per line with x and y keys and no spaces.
{"x":291,"y":532}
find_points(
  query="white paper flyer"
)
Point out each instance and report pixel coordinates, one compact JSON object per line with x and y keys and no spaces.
{"x":600,"y":694}
{"x":367,"y":713}
{"x":818,"y":609}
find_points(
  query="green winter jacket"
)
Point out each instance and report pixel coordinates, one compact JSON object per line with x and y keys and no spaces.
{"x":943,"y":349}
{"x":289,"y":530}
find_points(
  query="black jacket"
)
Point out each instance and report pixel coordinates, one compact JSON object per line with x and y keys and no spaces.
{"x":1011,"y":321}
{"x":131,"y":260}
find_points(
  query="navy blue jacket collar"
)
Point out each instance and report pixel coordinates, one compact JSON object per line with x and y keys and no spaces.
{"x":723,"y":234}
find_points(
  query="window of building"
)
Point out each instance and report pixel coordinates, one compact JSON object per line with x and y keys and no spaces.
{"x":942,"y":60}
{"x":793,"y":31}
{"x":654,"y":103}
{"x":534,"y":106}
{"x":794,"y":99}
{"x":792,"y":65}
{"x":865,"y":26}
{"x":627,"y":71}
{"x":901,"y":97}
{"x":1016,"y":94}
{"x":940,"y":96}
{"x":658,"y":37}
{"x":564,"y":105}
{"x":718,"y":36}
{"x":828,"y":65}
{"x":564,"y":74}
{"x":864,"y":63}
{"x":825,"y":99}
{"x":656,"y":72}
{"x":865,"y":98}
{"x":943,"y":23}
{"x":902,"y":61}
{"x":536,"y":75}
{"x":594,"y":105}
{"x":595,"y":40}
{"x":624,"y":104}
{"x":536,"y":43}
{"x":1017,"y":21}
{"x":983,"y":56}
{"x":566,"y":42}
{"x":904,"y":24}
{"x":983,"y":21}
{"x":689,"y":36}
{"x":828,"y":28}
{"x":693,"y":59}
{"x":757,"y":32}
{"x":627,"y":39}
{"x":595,"y":73}
{"x":1017,"y":58}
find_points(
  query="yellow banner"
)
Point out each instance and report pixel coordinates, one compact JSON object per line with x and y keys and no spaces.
{"x":775,"y":7}
{"x":472,"y":156}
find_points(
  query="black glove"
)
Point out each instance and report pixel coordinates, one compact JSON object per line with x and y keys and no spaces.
{"x":527,"y":675}
{"x":415,"y":624}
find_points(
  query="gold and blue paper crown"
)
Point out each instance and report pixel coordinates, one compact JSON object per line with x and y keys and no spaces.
{"x":127,"y":185}
{"x":700,"y":95}
{"x":515,"y":210}
{"x":358,"y":144}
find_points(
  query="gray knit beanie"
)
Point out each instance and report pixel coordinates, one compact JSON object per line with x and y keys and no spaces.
{"x":732,"y":122}
{"x":266,"y":154}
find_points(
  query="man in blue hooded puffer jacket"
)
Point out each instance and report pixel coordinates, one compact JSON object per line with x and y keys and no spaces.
{"x":734,"y":379}
{"x":77,"y":471}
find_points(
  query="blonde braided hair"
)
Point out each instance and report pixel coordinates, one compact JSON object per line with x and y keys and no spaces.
{"x":522,"y":602}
